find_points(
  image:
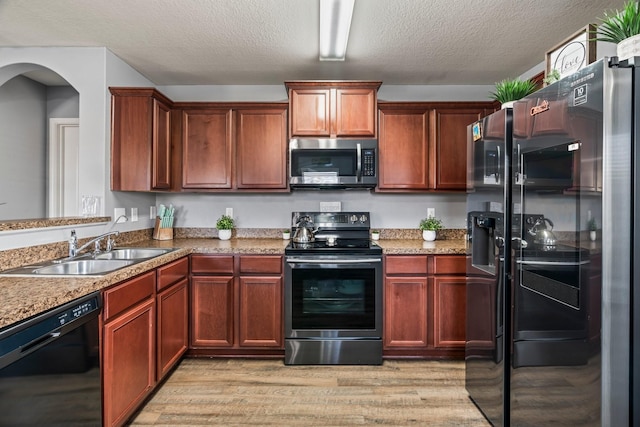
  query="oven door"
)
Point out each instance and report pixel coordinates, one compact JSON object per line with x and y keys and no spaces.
{"x":333,"y":297}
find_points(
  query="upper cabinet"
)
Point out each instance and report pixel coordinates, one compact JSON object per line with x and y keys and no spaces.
{"x":140,"y":140}
{"x":234,"y":147}
{"x":423,"y":145}
{"x":333,"y":109}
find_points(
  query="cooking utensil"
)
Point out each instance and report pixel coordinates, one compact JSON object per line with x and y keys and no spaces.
{"x":543,"y":235}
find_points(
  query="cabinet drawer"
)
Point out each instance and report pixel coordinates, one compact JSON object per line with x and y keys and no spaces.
{"x":263,"y":264}
{"x":125,"y":295}
{"x":172,"y":273}
{"x":449,"y":264}
{"x":406,"y":264}
{"x":211,"y":264}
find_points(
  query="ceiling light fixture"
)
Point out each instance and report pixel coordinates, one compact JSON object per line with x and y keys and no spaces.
{"x":335,"y":22}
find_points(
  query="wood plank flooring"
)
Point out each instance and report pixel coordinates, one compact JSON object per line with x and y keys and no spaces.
{"x":241,"y":392}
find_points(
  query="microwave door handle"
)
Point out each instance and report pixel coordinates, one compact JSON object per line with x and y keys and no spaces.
{"x":358,"y":162}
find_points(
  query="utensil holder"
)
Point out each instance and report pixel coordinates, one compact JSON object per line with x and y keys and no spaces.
{"x":162,"y":233}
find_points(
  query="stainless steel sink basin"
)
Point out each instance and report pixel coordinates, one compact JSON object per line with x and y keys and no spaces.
{"x":133,"y":253}
{"x":86,"y":267}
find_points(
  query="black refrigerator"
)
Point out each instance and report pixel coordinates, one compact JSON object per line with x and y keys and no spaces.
{"x":551,"y":213}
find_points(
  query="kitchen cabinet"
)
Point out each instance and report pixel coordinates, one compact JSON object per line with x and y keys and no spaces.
{"x":234,"y":147}
{"x":172,"y":302}
{"x":207,"y":149}
{"x":423,"y":144}
{"x":425,"y":301}
{"x":140,"y":140}
{"x":236,"y":306}
{"x":449,"y":302}
{"x":145,"y":333}
{"x":129,"y":368}
{"x":405,"y":303}
{"x":333,"y":109}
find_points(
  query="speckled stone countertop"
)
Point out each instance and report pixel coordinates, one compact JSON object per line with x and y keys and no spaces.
{"x":23,"y":297}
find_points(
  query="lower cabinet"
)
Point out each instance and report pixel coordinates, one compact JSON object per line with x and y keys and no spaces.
{"x":129,"y":368}
{"x":236,"y":305}
{"x":144,"y":335}
{"x":425,"y":306}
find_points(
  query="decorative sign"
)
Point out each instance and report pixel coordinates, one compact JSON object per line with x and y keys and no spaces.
{"x":574,"y":53}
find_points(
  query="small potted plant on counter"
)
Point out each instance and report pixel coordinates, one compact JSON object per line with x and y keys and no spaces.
{"x":510,"y":90}
{"x":224,"y":225}
{"x":286,"y":234}
{"x":592,"y":226}
{"x":429,"y":226}
{"x":375,"y":234}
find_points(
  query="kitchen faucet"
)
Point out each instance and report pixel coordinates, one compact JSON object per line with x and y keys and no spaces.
{"x":74,"y":250}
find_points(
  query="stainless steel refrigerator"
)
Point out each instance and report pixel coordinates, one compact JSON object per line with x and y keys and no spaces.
{"x":551,"y":214}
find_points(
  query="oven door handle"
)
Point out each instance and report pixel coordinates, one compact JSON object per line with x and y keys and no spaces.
{"x":552,"y":263}
{"x":333,"y":261}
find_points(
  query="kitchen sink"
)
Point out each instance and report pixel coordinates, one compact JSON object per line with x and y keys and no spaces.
{"x":88,"y":265}
{"x":132,"y":253}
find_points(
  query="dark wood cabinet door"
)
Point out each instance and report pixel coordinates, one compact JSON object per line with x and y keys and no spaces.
{"x":260,"y":312}
{"x":355,"y":113}
{"x":207,"y":149}
{"x":140,"y":140}
{"x":404,"y":148}
{"x":405,"y":316}
{"x":450,"y":146}
{"x":173,"y":326}
{"x":161,"y":146}
{"x":261,"y":148}
{"x":310,"y":112}
{"x":482,"y":315}
{"x":449,"y":311}
{"x":212,"y":313}
{"x":129,"y":367}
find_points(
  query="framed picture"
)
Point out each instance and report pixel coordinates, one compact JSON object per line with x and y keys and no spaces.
{"x":572,"y":54}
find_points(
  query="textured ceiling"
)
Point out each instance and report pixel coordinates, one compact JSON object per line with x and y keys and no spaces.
{"x":209,"y":42}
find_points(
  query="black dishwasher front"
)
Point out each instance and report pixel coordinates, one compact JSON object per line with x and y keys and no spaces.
{"x":50,"y":367}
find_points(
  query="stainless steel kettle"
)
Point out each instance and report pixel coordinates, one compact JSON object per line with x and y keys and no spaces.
{"x":541,"y":234}
{"x":304,"y":233}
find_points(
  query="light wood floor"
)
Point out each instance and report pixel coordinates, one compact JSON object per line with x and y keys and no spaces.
{"x":236,"y":392}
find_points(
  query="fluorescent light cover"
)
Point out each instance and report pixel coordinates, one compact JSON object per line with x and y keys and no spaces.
{"x":335,"y":22}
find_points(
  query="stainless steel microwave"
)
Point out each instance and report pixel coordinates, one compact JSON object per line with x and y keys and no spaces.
{"x":333,"y":163}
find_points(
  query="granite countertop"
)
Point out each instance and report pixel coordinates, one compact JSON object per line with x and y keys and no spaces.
{"x":23,"y":297}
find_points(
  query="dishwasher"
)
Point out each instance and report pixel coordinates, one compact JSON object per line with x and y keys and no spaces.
{"x":50,"y":367}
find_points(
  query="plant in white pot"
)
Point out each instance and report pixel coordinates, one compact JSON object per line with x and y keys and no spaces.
{"x":508,"y":91}
{"x":593,"y":227}
{"x":429,"y":226}
{"x":224,"y":224}
{"x":623,"y":28}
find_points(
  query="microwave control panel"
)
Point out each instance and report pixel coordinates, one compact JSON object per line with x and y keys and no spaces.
{"x":368,"y":162}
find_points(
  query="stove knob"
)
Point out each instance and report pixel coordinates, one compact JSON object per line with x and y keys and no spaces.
{"x":353,"y":218}
{"x":363,"y":218}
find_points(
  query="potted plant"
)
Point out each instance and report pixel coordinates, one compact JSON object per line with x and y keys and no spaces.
{"x":375,"y":234}
{"x":286,"y":234}
{"x":592,"y":226}
{"x":429,"y":226}
{"x":510,"y":90}
{"x":622,"y":28}
{"x":554,"y":76}
{"x":224,"y":225}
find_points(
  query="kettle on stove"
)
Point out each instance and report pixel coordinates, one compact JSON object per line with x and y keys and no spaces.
{"x":541,"y":234}
{"x":304,"y":234}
